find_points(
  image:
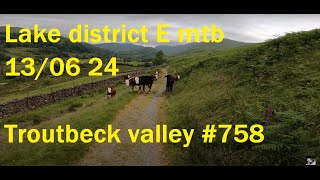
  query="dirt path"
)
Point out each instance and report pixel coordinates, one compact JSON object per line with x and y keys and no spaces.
{"x":144,"y":111}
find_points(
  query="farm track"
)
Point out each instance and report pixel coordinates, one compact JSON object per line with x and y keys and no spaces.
{"x":144,"y":111}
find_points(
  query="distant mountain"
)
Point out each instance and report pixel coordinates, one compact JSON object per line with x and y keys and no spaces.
{"x":225,"y":44}
{"x":63,"y":48}
{"x":123,"y":50}
{"x":128,"y":50}
{"x":12,"y":29}
{"x":119,"y":47}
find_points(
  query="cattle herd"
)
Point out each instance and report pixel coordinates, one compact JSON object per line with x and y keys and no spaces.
{"x":142,"y":81}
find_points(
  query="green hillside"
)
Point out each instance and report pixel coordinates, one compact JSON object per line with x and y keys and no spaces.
{"x":199,"y":47}
{"x":130,"y":52}
{"x":137,"y":52}
{"x":275,"y":84}
{"x":140,"y":54}
{"x":119,"y":47}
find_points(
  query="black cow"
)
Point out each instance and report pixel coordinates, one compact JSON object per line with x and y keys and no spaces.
{"x":170,"y":82}
{"x":146,"y":80}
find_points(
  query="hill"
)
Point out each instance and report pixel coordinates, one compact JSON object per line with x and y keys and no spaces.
{"x":201,"y":46}
{"x":130,"y":51}
{"x":274,"y":84}
{"x":12,"y":29}
{"x":64,"y":48}
{"x":138,"y":52}
{"x":119,"y":47}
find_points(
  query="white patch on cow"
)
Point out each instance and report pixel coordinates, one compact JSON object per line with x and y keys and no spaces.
{"x":178,"y":76}
{"x":157,"y":72}
{"x":157,"y":76}
{"x":109,"y":90}
{"x":127,"y":82}
{"x":128,"y":76}
{"x":137,"y":80}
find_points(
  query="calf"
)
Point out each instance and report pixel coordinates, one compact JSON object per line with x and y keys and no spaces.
{"x":157,"y":75}
{"x":176,"y":77}
{"x":146,"y":80}
{"x":111,"y":92}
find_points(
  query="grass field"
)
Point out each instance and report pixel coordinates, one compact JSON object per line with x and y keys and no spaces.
{"x":20,"y":87}
{"x":89,"y":111}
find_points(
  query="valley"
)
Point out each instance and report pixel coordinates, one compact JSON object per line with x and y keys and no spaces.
{"x":274,"y":83}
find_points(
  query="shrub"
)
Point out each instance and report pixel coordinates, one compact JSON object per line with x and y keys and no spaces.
{"x":72,"y":107}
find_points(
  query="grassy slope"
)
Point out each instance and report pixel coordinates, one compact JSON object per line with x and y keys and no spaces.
{"x":129,"y":51}
{"x":237,"y":87}
{"x":196,"y":47}
{"x":95,"y":111}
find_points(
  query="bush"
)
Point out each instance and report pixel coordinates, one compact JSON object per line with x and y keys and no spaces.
{"x":72,"y":107}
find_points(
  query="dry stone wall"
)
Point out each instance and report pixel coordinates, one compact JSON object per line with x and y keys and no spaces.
{"x":36,"y":101}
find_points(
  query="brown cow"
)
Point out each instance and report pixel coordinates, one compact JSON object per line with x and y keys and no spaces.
{"x":111,"y":92}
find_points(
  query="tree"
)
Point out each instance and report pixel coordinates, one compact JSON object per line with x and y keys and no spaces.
{"x":159,"y":59}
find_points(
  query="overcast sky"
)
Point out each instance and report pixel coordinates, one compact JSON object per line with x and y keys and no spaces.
{"x":240,"y":27}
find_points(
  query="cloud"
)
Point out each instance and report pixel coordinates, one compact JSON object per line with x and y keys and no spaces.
{"x":240,"y":27}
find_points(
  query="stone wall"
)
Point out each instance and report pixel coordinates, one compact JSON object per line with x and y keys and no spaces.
{"x":36,"y":101}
